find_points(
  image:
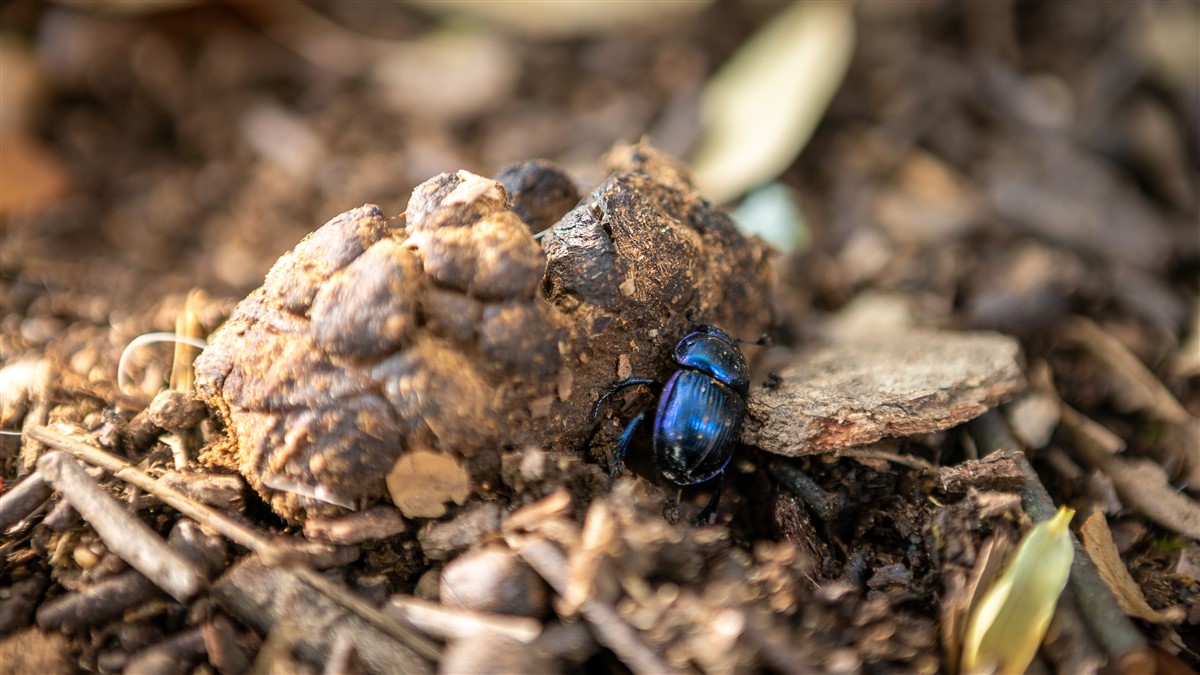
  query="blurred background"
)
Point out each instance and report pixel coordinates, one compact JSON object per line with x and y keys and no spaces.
{"x":998,"y":163}
{"x":1023,"y":166}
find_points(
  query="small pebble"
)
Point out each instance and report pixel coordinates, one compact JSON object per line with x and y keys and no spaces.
{"x":493,"y":580}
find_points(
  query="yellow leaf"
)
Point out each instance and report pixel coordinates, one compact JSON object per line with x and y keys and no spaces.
{"x":1011,"y":620}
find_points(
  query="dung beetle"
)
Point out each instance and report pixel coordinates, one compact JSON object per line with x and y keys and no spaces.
{"x":700,"y":411}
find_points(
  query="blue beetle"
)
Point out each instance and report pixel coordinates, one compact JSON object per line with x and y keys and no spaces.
{"x":700,"y":411}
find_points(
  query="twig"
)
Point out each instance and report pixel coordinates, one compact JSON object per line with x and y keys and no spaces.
{"x":220,"y":642}
{"x":804,"y":487}
{"x":215,"y":520}
{"x":1114,"y":631}
{"x":452,"y":624}
{"x":99,"y":602}
{"x":343,"y":657}
{"x":173,"y":655}
{"x":271,"y":598}
{"x":22,"y":500}
{"x":112,"y":596}
{"x":610,"y":630}
{"x":394,"y":627}
{"x":291,"y":557}
{"x":377,"y":522}
{"x":124,"y":533}
{"x":903,"y":460}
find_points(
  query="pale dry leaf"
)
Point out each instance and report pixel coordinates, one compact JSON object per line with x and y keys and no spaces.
{"x":1137,"y":384}
{"x":564,"y":19}
{"x":1084,"y":430}
{"x":761,"y":108}
{"x":1141,"y":484}
{"x":1099,"y":544}
{"x":1144,"y":486}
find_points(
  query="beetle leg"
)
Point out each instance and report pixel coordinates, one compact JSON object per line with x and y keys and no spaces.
{"x":618,"y":456}
{"x":623,"y":384}
{"x":707,"y":512}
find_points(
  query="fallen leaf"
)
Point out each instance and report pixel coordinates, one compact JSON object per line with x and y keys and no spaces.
{"x":1008,"y":625}
{"x":1143,"y":485}
{"x":564,"y":19}
{"x":1136,"y":383}
{"x":1099,"y":544}
{"x":761,"y":108}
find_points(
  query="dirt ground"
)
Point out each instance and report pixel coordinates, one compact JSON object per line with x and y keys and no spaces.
{"x":1028,"y":169}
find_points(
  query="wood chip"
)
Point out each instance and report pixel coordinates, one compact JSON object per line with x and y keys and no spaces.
{"x":1099,"y":544}
{"x":850,"y":394}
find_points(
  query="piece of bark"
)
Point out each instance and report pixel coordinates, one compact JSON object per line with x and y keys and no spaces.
{"x":854,"y":393}
{"x":326,"y":375}
{"x":262,"y":595}
{"x":994,"y":472}
{"x":441,"y":539}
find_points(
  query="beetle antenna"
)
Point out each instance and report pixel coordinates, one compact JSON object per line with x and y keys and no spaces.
{"x":763,"y":340}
